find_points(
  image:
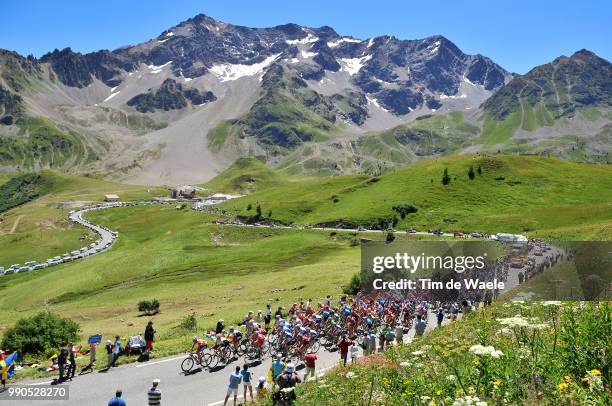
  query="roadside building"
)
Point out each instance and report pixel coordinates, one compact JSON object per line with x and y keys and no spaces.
{"x":184,"y":192}
{"x":111,"y":198}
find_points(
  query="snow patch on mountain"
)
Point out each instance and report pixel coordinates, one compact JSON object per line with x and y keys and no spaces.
{"x":354,"y":65}
{"x":435,"y":48}
{"x":336,"y":43}
{"x":157,"y":69}
{"x":306,"y":40}
{"x":459,"y":96}
{"x":373,"y":101}
{"x":112,"y":95}
{"x":306,"y":54}
{"x":226,"y":72}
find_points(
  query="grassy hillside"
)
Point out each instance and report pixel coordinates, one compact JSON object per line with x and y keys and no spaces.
{"x":40,"y":229}
{"x":540,"y":196}
{"x":246,"y":175}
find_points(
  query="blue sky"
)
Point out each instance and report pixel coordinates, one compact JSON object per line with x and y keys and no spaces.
{"x":516,"y":34}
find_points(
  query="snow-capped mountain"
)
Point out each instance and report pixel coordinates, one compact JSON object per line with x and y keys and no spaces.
{"x":182,"y":106}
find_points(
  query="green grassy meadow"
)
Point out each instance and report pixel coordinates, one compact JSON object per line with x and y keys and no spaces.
{"x":538,"y":196}
{"x":193,"y":266}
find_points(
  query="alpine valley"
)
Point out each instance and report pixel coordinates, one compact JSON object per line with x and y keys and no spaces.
{"x":185,"y":105}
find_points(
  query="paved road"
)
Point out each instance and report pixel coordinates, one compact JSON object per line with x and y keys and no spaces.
{"x":200,"y":388}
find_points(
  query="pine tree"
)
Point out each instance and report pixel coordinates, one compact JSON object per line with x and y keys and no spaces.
{"x":445,"y":177}
{"x":471,"y":173}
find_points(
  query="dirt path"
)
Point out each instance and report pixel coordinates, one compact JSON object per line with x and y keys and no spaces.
{"x":16,"y":224}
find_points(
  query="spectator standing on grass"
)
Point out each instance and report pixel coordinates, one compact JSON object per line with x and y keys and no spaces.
{"x":149,"y":336}
{"x":234,"y":382}
{"x":154,"y":394}
{"x":92,"y":357}
{"x":116,"y":350}
{"x":419,"y":326}
{"x":246,"y":382}
{"x":220,"y":327}
{"x":262,"y":391}
{"x":310,"y":359}
{"x":109,"y":352}
{"x":72,"y":358}
{"x":440,"y":316}
{"x":288,"y":379}
{"x":268,"y":316}
{"x":353,"y":350}
{"x":343,"y":346}
{"x":62,"y":359}
{"x":371,"y":343}
{"x":117,"y":400}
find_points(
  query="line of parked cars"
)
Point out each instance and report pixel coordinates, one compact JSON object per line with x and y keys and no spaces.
{"x":91,"y":249}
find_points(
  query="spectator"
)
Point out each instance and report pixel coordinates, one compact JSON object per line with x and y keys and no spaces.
{"x":440,"y":316}
{"x":62,"y":359}
{"x":109,"y":353}
{"x":288,"y":379}
{"x":310,"y":359}
{"x":220,"y":327}
{"x":262,"y":392}
{"x":353,"y":350}
{"x":371,"y":343}
{"x":117,"y":400}
{"x":343,"y":346}
{"x":246,"y":382}
{"x":419,"y":326}
{"x":399,"y":334}
{"x":2,"y":380}
{"x":154,"y":394}
{"x":267,"y":316}
{"x":277,"y":367}
{"x":92,"y":357}
{"x":116,"y":350}
{"x":72,"y":358}
{"x":234,"y":382}
{"x":149,"y":336}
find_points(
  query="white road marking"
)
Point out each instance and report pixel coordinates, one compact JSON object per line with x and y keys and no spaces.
{"x":159,"y":362}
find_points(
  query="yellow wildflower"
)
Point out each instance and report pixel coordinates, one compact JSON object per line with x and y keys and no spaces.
{"x":439,"y":392}
{"x":596,"y":372}
{"x":563,"y":386}
{"x":567,"y":377}
{"x":496,"y":382}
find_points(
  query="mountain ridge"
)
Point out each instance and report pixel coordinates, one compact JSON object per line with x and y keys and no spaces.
{"x":301,"y":98}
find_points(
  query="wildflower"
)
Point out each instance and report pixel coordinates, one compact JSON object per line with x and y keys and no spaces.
{"x":404,"y":364}
{"x":563,"y":386}
{"x":451,"y":378}
{"x":496,"y":382}
{"x":439,"y":392}
{"x":417,"y":353}
{"x":596,"y":372}
{"x":567,"y":378}
{"x":485,"y":351}
{"x":352,"y":375}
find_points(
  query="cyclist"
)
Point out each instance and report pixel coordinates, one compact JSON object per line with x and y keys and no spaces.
{"x":199,"y":345}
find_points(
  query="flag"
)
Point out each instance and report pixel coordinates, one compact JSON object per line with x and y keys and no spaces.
{"x":7,"y":366}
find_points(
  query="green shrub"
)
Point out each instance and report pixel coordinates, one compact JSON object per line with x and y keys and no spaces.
{"x":40,"y":334}
{"x":189,"y":322}
{"x":149,"y":307}
{"x":354,"y":285}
